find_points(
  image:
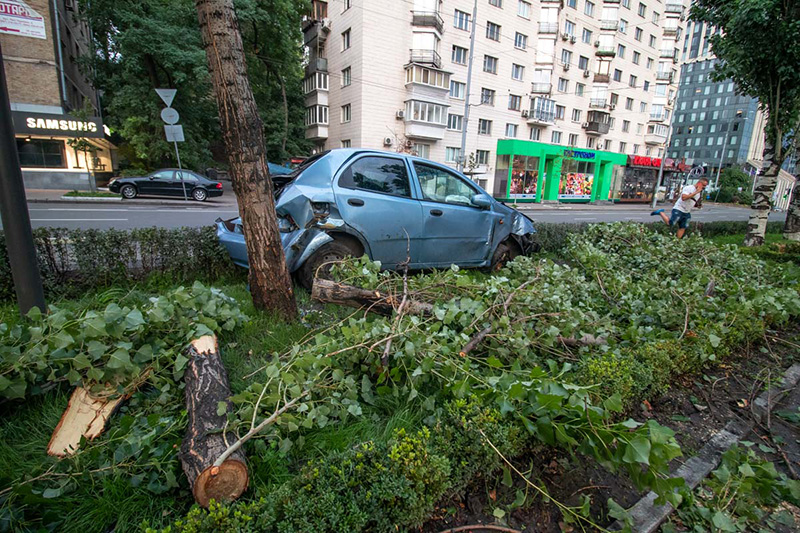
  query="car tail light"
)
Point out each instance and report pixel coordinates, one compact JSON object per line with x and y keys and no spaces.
{"x":218,"y":186}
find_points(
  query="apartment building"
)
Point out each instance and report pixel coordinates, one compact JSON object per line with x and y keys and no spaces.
{"x":46,"y":89}
{"x":579,"y":91}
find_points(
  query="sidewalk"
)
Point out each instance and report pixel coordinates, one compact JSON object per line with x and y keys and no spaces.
{"x":228,"y":199}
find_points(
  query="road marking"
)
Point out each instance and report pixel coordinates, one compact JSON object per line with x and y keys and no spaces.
{"x":136,"y":210}
{"x":79,"y":220}
{"x":585,"y":218}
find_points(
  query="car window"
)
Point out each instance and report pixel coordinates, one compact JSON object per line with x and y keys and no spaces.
{"x":188,"y":177}
{"x":440,"y":185}
{"x":386,"y":175}
{"x":162,"y":175}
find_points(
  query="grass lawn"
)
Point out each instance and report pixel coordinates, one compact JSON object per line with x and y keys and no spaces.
{"x":739,"y":239}
{"x":88,"y":194}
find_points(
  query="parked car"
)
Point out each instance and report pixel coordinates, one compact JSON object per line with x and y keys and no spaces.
{"x":167,"y":182}
{"x":392,"y":207}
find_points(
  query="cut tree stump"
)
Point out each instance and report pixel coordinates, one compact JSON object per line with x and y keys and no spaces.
{"x":206,"y":387}
{"x":85,"y":416}
{"x":382,"y":303}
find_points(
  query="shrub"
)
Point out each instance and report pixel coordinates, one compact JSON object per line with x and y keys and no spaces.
{"x":74,"y":261}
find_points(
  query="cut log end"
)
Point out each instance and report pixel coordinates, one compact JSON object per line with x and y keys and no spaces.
{"x":205,"y":345}
{"x":224,"y":483}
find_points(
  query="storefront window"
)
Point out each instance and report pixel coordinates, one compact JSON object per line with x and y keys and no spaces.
{"x":524,"y":177}
{"x":577,"y":179}
{"x":41,"y":153}
{"x":501,"y":175}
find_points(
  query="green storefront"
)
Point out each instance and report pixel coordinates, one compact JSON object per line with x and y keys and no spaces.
{"x":528,"y":171}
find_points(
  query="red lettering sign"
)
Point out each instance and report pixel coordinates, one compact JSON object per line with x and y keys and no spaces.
{"x":643,"y":161}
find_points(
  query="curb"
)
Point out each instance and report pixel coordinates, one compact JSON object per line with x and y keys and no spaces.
{"x":90,"y":199}
{"x":648,"y":517}
{"x":140,"y":201}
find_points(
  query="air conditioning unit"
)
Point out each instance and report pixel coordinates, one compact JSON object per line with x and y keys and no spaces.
{"x":400,"y":115}
{"x":612,"y":107}
{"x":585,"y":125}
{"x":525,"y":113}
{"x":564,"y":36}
{"x":573,"y":39}
{"x":566,"y":66}
{"x":597,"y":44}
{"x":387,"y":141}
{"x":585,"y":73}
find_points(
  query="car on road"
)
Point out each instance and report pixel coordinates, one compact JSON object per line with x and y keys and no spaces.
{"x":393,"y":207}
{"x":167,"y":182}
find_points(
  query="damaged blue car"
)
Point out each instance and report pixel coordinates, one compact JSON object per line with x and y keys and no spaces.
{"x":395,"y":208}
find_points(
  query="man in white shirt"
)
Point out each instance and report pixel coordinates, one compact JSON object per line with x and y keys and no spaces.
{"x":691,"y":196}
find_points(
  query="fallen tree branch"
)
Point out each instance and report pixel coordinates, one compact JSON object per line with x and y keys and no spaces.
{"x":328,"y":291}
{"x":475,"y":341}
{"x":586,"y":340}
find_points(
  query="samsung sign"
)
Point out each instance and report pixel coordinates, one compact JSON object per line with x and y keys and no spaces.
{"x":56,"y":125}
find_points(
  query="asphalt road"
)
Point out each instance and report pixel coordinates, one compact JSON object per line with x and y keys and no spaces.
{"x":126,"y":216}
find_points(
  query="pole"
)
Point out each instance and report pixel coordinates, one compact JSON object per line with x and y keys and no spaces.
{"x":183,"y":183}
{"x":14,"y":212}
{"x":722,"y":154}
{"x":462,"y":155}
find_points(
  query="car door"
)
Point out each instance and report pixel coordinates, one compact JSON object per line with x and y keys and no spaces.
{"x":189,"y":179}
{"x":455,"y":231}
{"x":374,"y":196}
{"x":158,"y":183}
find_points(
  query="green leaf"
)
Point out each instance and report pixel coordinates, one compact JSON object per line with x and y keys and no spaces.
{"x":714,"y":340}
{"x":507,"y":481}
{"x":498,"y":513}
{"x":613,"y":403}
{"x":637,"y":451}
{"x":120,"y":358}
{"x":723,"y":521}
{"x":222,"y":408}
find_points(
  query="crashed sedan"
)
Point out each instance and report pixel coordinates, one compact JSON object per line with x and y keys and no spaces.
{"x":395,"y":208}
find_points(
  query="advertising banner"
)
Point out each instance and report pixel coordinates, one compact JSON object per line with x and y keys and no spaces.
{"x":575,"y":186}
{"x":17,"y":18}
{"x":524,"y":178}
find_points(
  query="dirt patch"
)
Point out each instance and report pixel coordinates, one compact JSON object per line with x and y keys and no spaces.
{"x":696,"y":407}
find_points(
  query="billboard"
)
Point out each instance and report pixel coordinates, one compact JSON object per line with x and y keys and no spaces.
{"x":575,"y":186}
{"x":17,"y":18}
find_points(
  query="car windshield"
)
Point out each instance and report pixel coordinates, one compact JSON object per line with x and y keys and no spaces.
{"x":304,"y":165}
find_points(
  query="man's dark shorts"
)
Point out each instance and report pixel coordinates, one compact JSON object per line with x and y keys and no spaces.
{"x":680,"y":218}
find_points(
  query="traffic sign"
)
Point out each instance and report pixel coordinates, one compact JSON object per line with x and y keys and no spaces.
{"x":167,"y":95}
{"x":169,"y":115}
{"x":17,"y":18}
{"x":174,"y":133}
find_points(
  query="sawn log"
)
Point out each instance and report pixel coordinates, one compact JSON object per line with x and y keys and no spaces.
{"x":378,"y":302}
{"x":205,"y":440}
{"x":85,"y":416}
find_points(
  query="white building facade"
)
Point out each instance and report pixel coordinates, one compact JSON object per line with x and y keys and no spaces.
{"x":586,"y":75}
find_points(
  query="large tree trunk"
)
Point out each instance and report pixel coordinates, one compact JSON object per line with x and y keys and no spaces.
{"x":762,"y":195}
{"x":206,"y":440}
{"x":242,"y":132}
{"x":792,"y":228}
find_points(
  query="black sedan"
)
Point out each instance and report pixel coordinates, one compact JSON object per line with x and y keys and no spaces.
{"x":167,"y":182}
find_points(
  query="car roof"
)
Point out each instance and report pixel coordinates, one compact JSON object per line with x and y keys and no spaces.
{"x":347,"y":153}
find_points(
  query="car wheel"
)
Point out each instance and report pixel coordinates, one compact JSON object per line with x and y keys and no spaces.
{"x":320,"y":263}
{"x":128,"y":191}
{"x":200,"y":195}
{"x":504,"y":254}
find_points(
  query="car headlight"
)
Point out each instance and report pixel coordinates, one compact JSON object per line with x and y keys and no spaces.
{"x":286,"y":224}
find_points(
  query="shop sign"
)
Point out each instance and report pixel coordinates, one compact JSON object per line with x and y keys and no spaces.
{"x":56,"y":125}
{"x":643,"y":161}
{"x":578,"y":154}
{"x":17,"y":18}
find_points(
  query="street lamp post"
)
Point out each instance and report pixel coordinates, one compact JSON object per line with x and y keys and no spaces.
{"x":462,"y":157}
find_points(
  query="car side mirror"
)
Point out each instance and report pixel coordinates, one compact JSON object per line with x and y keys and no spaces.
{"x":481,"y":201}
{"x":150,"y":177}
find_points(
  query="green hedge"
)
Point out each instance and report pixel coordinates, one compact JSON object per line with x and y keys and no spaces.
{"x":74,"y":261}
{"x":553,"y":237}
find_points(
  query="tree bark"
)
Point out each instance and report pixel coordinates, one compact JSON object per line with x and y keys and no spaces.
{"x":242,"y":133}
{"x":791,"y":230}
{"x":381,"y":303}
{"x":206,"y":440}
{"x":762,"y":195}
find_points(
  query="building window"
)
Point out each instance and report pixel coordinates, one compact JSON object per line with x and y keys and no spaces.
{"x":623,"y":26}
{"x":41,"y":153}
{"x":346,"y":77}
{"x":347,"y":5}
{"x":626,"y":126}
{"x":617,"y":75}
{"x":514,"y":102}
{"x":457,"y":89}
{"x":576,"y":115}
{"x":629,"y":104}
{"x":632,"y":81}
{"x":482,"y":157}
{"x":460,"y":55}
{"x":655,"y":17}
{"x":560,"y":112}
{"x":586,"y":36}
{"x":492,"y":31}
{"x":490,"y":64}
{"x":643,"y":107}
{"x":636,"y":58}
{"x":555,"y":137}
{"x":426,"y":112}
{"x":635,"y":148}
{"x":316,"y":114}
{"x":646,"y":86}
{"x":484,"y":127}
{"x":572,"y":3}
{"x":524,"y":9}
{"x":345,"y":40}
{"x":496,"y":3}
{"x":623,"y":146}
{"x":517,"y":71}
{"x":589,"y":142}
{"x":487,"y":96}
{"x":511,"y":131}
{"x":520,"y":41}
{"x":461,"y":20}
{"x":573,"y":139}
{"x":621,"y":51}
{"x":569,"y":28}
{"x":536,"y":134}
{"x":455,"y":122}
{"x":563,"y":85}
{"x":614,"y":99}
{"x":579,"y":88}
{"x":421,"y":150}
{"x":346,"y":113}
{"x":642,"y":9}
{"x":588,"y":9}
{"x":650,"y":63}
{"x":638,"y":34}
{"x":566,"y":57}
{"x":452,"y":154}
{"x":583,"y":63}
{"x":652,"y":41}
{"x":426,"y":76}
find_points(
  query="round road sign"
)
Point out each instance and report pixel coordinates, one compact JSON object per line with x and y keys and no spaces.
{"x":169,"y":115}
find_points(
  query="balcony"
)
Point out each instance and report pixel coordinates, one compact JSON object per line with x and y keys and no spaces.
{"x":541,"y":88}
{"x":673,"y":8}
{"x":426,"y":57}
{"x":664,"y":76}
{"x":670,"y":30}
{"x":548,"y":27}
{"x":317,"y":64}
{"x":430,"y":19}
{"x":317,"y":132}
{"x":318,"y":29}
{"x":655,"y":138}
{"x":596,"y":128}
{"x":606,"y":51}
{"x":670,"y":53}
{"x":611,"y":1}
{"x":612,"y":25}
{"x":601,"y":78}
{"x":658,"y":116}
{"x":598,"y":103}
{"x":543,"y":118}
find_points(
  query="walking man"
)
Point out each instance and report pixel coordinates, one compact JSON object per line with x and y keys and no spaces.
{"x":691,"y":196}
